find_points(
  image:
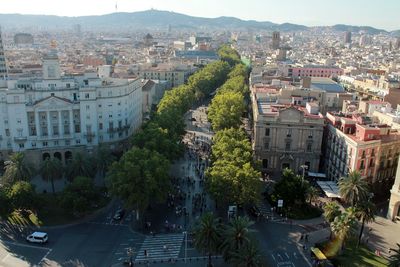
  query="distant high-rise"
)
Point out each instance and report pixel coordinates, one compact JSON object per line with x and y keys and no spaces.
{"x":3,"y":66}
{"x":347,"y":38}
{"x":276,"y":38}
{"x":364,"y":40}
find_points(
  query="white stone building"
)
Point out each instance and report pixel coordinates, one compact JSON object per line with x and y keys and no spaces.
{"x":57,"y":115}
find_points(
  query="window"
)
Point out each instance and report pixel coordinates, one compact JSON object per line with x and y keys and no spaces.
{"x":266,"y":131}
{"x":33,"y":144}
{"x":266,"y":145}
{"x":77,"y":141}
{"x":100,"y":126}
{"x":44,"y":143}
{"x":87,"y":107}
{"x":67,"y":142}
{"x":372,"y":152}
{"x":265,"y":163}
{"x":56,"y":143}
{"x":310,"y":135}
{"x":289,"y":132}
{"x":21,"y":145}
{"x":87,"y":96}
{"x":287,"y":146}
{"x":362,"y":166}
{"x":309,"y":147}
{"x":7,"y":132}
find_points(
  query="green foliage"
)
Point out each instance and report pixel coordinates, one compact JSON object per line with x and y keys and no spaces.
{"x":229,"y":55}
{"x":230,"y":183}
{"x":178,"y":100}
{"x":17,"y":169}
{"x":208,"y":79}
{"x":81,"y":165}
{"x":292,"y":189}
{"x":208,"y":235}
{"x":104,"y":158}
{"x":331,"y":211}
{"x":235,"y":84}
{"x":5,"y":206}
{"x":353,"y":188}
{"x":22,"y":195}
{"x":239,"y":70}
{"x":141,"y":176}
{"x":79,"y":195}
{"x":344,"y":226}
{"x":394,"y":259}
{"x":248,"y":256}
{"x":50,"y":170}
{"x":236,"y":237}
{"x":225,"y":110}
{"x":232,"y":145}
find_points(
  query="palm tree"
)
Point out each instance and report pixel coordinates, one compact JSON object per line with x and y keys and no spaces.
{"x":353,"y":188}
{"x":312,"y":194}
{"x":331,"y":211}
{"x":80,"y":165}
{"x":207,"y":235}
{"x":50,"y":170}
{"x":248,"y":256}
{"x":104,"y":159}
{"x":236,"y":236}
{"x":394,"y":259}
{"x":365,"y":212}
{"x":17,"y":169}
{"x":345,"y":225}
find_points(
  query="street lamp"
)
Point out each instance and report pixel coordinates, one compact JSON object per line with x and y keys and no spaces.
{"x":185,"y":233}
{"x":304,"y":167}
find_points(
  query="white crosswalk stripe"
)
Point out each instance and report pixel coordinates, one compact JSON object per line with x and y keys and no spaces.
{"x":154,"y":246}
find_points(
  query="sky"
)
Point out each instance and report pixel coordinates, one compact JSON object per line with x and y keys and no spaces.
{"x":380,"y":14}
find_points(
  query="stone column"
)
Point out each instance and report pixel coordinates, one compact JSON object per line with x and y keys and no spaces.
{"x":49,"y":130}
{"x":60,"y":132}
{"x":71,"y":122}
{"x":37,"y":124}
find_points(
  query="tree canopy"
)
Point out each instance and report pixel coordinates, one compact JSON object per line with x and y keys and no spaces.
{"x":139,"y":177}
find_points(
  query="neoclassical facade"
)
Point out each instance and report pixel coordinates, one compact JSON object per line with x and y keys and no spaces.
{"x":286,"y":137}
{"x":55,"y":115}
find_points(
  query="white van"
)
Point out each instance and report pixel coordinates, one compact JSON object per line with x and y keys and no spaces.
{"x":37,"y":237}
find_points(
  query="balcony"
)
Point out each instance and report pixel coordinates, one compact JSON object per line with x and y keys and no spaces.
{"x":20,"y":138}
{"x":89,"y":135}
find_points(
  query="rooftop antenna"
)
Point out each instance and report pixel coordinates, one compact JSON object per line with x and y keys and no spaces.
{"x":116,"y":6}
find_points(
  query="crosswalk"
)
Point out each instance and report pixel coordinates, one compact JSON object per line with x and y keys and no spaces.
{"x":266,"y":212}
{"x":160,"y":247}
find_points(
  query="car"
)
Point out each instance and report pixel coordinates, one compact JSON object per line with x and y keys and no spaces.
{"x":38,"y":237}
{"x":254,"y":211}
{"x":119,"y":214}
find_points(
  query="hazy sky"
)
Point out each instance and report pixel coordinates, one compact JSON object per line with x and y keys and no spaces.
{"x":381,"y":14}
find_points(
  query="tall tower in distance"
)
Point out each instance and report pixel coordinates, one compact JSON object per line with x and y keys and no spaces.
{"x":3,"y":65}
{"x":347,"y":37}
{"x":276,"y":39}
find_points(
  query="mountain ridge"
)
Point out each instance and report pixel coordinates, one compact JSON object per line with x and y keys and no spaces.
{"x":158,"y":18}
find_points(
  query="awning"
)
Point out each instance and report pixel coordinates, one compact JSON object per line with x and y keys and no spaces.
{"x":318,"y":254}
{"x":330,"y":189}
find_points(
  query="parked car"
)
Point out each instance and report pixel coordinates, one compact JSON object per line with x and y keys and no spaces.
{"x":254,"y":211}
{"x":119,"y":214}
{"x":37,"y":237}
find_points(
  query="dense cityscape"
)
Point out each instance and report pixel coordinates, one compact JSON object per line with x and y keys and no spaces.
{"x":163,"y":139}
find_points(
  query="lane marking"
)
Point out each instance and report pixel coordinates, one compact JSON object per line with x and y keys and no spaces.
{"x":45,"y":256}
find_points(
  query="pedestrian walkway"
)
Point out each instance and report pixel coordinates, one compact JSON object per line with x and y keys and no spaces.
{"x":160,"y":247}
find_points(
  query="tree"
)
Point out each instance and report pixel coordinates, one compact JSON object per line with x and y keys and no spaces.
{"x":345,"y":225}
{"x":331,"y":211}
{"x":5,"y":207}
{"x":79,"y":195}
{"x":234,"y":184}
{"x":228,"y":54}
{"x":81,"y":165}
{"x":17,"y":169}
{"x":104,"y":158}
{"x":22,"y":195}
{"x":248,"y":256}
{"x":353,"y":188}
{"x":236,"y":237}
{"x":225,"y":110}
{"x":139,"y":177}
{"x":394,"y":259}
{"x":312,"y":194}
{"x":235,"y":84}
{"x":238,"y":70}
{"x":232,"y":145}
{"x":207,"y":235}
{"x":365,"y":212}
{"x":291,"y":189}
{"x":50,"y":170}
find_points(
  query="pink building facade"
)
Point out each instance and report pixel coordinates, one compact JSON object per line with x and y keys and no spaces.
{"x":315,"y":71}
